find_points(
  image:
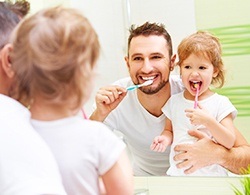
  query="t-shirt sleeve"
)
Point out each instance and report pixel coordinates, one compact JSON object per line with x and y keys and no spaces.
{"x":166,"y":109}
{"x":226,"y":108}
{"x":110,"y":149}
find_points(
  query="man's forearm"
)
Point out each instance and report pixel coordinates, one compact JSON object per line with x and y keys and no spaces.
{"x":97,"y":116}
{"x":198,"y":155}
{"x":236,"y":158}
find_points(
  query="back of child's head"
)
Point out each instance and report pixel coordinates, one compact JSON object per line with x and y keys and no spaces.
{"x":54,"y":53}
{"x":206,"y":45}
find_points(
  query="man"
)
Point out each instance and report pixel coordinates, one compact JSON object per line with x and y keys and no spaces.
{"x":137,"y":114}
{"x":27,"y":166}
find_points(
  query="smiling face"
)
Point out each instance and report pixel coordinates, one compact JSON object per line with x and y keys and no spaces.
{"x":149,"y":59}
{"x":195,"y":70}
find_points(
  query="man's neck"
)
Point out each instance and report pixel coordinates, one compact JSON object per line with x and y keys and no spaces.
{"x":154,"y":102}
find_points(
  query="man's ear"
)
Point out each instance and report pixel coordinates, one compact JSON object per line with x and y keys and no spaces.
{"x":127,"y":61}
{"x":172,"y":62}
{"x":6,"y":62}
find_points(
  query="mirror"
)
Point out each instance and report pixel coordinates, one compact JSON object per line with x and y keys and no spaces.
{"x":227,"y":19}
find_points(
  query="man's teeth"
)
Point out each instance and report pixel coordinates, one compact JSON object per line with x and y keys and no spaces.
{"x":148,"y":78}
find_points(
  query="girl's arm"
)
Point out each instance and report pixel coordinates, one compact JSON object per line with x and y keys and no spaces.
{"x":223,"y":132}
{"x":161,"y":142}
{"x":168,"y":132}
{"x":119,"y":179}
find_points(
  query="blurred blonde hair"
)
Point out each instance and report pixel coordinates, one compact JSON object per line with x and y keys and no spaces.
{"x":54,"y":53}
{"x":205,"y":44}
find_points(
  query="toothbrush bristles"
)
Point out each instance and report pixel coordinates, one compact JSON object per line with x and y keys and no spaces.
{"x":148,"y":82}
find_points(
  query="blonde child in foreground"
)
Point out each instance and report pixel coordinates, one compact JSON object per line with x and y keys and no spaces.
{"x":200,"y":66}
{"x":54,"y":56}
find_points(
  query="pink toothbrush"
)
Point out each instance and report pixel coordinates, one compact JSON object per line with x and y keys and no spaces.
{"x":196,"y":95}
{"x":84,"y":114}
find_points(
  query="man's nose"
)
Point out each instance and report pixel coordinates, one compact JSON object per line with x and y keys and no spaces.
{"x":147,"y":65}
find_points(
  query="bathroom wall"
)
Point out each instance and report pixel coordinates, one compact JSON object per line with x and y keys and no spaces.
{"x":228,"y":19}
{"x":112,"y":20}
{"x":36,"y":5}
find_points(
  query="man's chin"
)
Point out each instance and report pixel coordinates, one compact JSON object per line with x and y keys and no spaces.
{"x":152,"y":91}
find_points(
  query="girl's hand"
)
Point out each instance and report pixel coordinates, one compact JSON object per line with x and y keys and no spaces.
{"x":159,"y":144}
{"x":198,"y":116}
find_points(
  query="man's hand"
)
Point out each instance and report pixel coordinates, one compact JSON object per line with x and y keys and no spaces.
{"x":197,"y":155}
{"x":107,"y":99}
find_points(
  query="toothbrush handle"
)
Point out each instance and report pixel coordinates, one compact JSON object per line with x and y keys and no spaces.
{"x":130,"y":88}
{"x":196,"y":99}
{"x":195,"y":104}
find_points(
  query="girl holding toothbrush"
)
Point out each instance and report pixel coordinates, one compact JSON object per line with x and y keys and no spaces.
{"x":200,"y":65}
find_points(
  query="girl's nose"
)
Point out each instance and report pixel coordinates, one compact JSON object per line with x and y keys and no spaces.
{"x":195,"y":73}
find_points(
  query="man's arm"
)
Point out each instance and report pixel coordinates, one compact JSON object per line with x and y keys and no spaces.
{"x":237,"y":158}
{"x":205,"y":152}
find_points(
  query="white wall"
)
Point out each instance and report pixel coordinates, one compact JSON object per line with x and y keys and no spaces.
{"x":112,"y":19}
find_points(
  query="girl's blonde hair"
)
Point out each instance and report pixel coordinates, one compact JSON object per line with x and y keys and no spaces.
{"x":54,"y":53}
{"x":206,"y":44}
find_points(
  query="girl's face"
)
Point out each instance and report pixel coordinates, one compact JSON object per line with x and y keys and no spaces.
{"x":197,"y":69}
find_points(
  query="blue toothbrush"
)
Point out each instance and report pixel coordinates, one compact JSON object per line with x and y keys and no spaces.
{"x":146,"y":83}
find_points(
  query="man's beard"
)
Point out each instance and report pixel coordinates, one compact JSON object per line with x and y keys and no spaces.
{"x":150,"y":91}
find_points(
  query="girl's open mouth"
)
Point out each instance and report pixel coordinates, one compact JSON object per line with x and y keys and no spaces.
{"x":195,"y":85}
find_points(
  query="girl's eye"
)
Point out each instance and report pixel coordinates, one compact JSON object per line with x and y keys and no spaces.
{"x":202,"y":67}
{"x":187,"y":67}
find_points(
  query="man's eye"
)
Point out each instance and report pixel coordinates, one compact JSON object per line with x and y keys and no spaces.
{"x":156,"y":57}
{"x":137,"y":58}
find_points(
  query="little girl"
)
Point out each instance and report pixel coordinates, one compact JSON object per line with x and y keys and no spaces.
{"x":200,"y":66}
{"x":54,"y":57}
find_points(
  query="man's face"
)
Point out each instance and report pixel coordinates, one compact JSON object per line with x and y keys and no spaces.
{"x":149,"y":59}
